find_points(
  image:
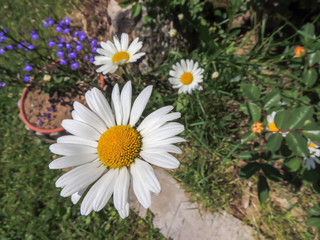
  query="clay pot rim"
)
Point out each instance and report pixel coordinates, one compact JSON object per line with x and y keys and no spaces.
{"x":45,"y":131}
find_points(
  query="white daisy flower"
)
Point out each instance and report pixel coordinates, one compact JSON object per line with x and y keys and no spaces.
{"x":107,"y":149}
{"x":117,"y":53}
{"x":271,"y":126}
{"x":314,"y":151}
{"x":186,"y":76}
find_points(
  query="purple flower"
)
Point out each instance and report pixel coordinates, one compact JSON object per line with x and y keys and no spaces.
{"x":60,"y":45}
{"x":29,"y":47}
{"x":86,"y":57}
{"x":19,"y":46}
{"x":40,"y":122}
{"x":72,"y":55}
{"x":94,"y":50}
{"x":2,"y":84}
{"x":51,"y":110}
{"x":74,"y":65}
{"x":9,"y":47}
{"x":34,"y":35}
{"x":66,"y":30}
{"x":58,"y":29}
{"x":66,"y":21}
{"x":60,"y":54}
{"x":50,"y":21}
{"x":76,"y":33}
{"x":47,"y":115}
{"x":2,"y":37}
{"x":68,"y":45}
{"x":28,"y":68}
{"x":91,"y":59}
{"x":26,"y":78}
{"x":63,"y":62}
{"x":93,"y":42}
{"x":45,"y":24}
{"x":51,"y":43}
{"x":2,"y":51}
{"x":82,"y":36}
{"x":78,"y":48}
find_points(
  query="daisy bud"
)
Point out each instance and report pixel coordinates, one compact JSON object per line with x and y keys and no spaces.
{"x":173,"y":32}
{"x":180,"y":16}
{"x":215,"y":75}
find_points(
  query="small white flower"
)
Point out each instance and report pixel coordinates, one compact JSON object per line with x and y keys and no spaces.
{"x":173,"y":32}
{"x":117,"y":53}
{"x":271,"y":126}
{"x":186,"y":76}
{"x":108,"y":151}
{"x":314,"y":151}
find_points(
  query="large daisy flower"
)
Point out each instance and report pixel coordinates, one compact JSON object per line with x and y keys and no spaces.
{"x":314,"y":151}
{"x":107,"y":149}
{"x":117,"y":53}
{"x":186,"y":76}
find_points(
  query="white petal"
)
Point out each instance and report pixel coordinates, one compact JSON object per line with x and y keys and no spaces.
{"x":162,"y":142}
{"x":160,"y":149}
{"x":133,"y":46}
{"x":72,"y":161}
{"x":124,"y":42}
{"x":76,"y":196}
{"x":79,"y":178}
{"x":71,"y":149}
{"x":80,"y":129}
{"x":77,"y":140}
{"x":116,"y":104}
{"x":152,"y":117}
{"x":147,"y":175}
{"x":166,"y":131}
{"x":121,"y":192}
{"x":126,"y":96}
{"x":76,"y":116}
{"x":164,"y":160}
{"x":103,"y":108}
{"x":139,"y":105}
{"x":160,"y":121}
{"x":90,"y":117}
{"x":104,"y":189}
{"x":117,"y":43}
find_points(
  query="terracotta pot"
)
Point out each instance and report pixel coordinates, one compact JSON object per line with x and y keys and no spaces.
{"x":49,"y":135}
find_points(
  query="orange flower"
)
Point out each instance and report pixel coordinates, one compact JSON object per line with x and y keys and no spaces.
{"x":257,"y":127}
{"x":300,"y":51}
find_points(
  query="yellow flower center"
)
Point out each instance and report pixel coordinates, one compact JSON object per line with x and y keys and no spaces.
{"x":119,"y":56}
{"x":119,"y":146}
{"x":272,"y":127}
{"x":311,"y":145}
{"x":186,"y":78}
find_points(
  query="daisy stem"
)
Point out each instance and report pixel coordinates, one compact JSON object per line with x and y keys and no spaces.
{"x":200,"y":104}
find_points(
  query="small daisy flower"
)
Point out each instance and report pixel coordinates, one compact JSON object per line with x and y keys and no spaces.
{"x":108,"y":150}
{"x":314,"y":151}
{"x":117,"y":53}
{"x":186,"y":76}
{"x":271,"y":126}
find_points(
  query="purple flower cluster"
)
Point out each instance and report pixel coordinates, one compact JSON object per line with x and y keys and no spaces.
{"x":48,"y":22}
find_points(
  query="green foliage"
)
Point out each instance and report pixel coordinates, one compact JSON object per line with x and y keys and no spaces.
{"x":263,"y":189}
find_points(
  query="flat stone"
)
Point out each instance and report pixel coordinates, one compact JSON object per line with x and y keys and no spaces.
{"x":179,"y":219}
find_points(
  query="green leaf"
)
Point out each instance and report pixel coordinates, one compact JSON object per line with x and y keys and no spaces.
{"x":251,"y":91}
{"x":274,"y":142}
{"x":244,"y":108}
{"x":312,"y":131}
{"x":254,"y":111}
{"x":298,"y":116}
{"x":281,"y":119}
{"x":313,"y":58}
{"x":314,"y":222}
{"x":125,"y":3}
{"x":297,"y":144}
{"x":136,"y":10}
{"x":263,"y":189}
{"x":307,"y":32}
{"x":247,"y":137}
{"x":247,"y":155}
{"x":271,"y":99}
{"x":248,"y":170}
{"x":271,"y":172}
{"x":293,"y":165}
{"x":310,"y":77}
